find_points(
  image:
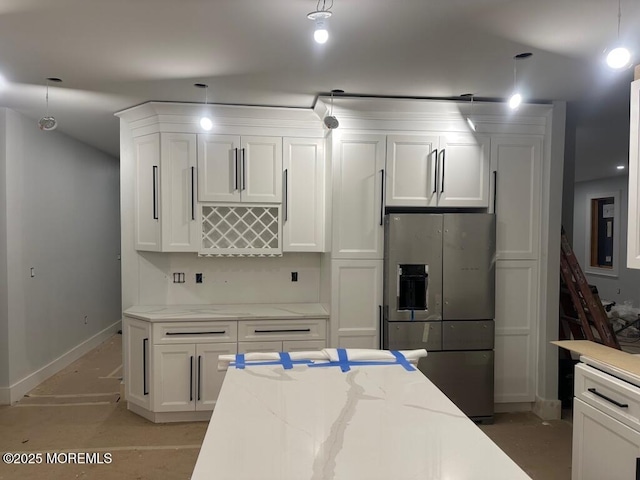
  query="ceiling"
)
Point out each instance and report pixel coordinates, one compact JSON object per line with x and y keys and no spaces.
{"x":118,"y":53}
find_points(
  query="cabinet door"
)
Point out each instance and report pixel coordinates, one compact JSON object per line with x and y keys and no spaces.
{"x":602,"y":446}
{"x":136,"y":343}
{"x":178,"y":192}
{"x":303,"y":201}
{"x":270,"y":346}
{"x":411,"y":169}
{"x":358,"y":183}
{"x":174,"y":372}
{"x":517,"y":163}
{"x":218,"y":168}
{"x":356,"y":299}
{"x":261,"y":169}
{"x":464,"y":171}
{"x":208,"y":378}
{"x":303,"y":345}
{"x":147,"y":192}
{"x":516,"y":330}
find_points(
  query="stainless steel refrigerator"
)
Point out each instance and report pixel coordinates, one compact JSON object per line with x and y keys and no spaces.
{"x":439,"y":294}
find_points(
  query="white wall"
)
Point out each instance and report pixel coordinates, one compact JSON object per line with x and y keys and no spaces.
{"x":628,"y":280}
{"x":4,"y":294}
{"x":62,"y":219}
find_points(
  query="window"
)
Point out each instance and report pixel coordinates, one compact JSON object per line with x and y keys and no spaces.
{"x":603,"y":234}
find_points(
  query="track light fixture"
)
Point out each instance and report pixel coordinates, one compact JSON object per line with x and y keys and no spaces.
{"x":48,"y":123}
{"x":619,"y":57}
{"x":516,"y":98}
{"x":205,"y":121}
{"x":321,"y":16}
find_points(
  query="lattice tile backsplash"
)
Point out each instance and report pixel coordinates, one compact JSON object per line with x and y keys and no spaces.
{"x":241,"y":230}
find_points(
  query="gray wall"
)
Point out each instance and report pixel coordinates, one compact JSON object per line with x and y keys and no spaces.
{"x":62,"y":219}
{"x":628,"y":280}
{"x":4,"y":293}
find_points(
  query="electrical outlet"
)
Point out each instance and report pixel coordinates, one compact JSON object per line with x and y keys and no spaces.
{"x":32,"y":272}
{"x":294,"y":276}
{"x":85,"y":319}
{"x":198,"y":278}
{"x":178,"y":278}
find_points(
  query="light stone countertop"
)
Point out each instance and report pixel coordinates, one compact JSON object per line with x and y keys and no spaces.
{"x":371,"y":423}
{"x":279,"y":311}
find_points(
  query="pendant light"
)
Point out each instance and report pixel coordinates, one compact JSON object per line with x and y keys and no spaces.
{"x":205,"y":121}
{"x":472,"y":125}
{"x":516,"y":98}
{"x":321,"y":16}
{"x":48,"y":123}
{"x":330,"y":121}
{"x":619,"y":57}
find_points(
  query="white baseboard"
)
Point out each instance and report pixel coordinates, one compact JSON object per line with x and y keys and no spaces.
{"x":512,"y":407}
{"x":547,"y":409}
{"x":16,"y":391}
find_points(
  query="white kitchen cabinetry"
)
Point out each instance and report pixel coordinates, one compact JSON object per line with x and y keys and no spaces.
{"x":440,"y":170}
{"x":240,"y":169}
{"x":303,"y":196}
{"x":356,"y":303}
{"x":286,"y":346}
{"x":137,"y":356}
{"x":516,"y":165}
{"x":358,"y":185}
{"x":606,"y":426}
{"x":633,"y":233}
{"x":165,"y":196}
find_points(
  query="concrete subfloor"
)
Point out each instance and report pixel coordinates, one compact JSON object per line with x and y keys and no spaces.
{"x":80,"y":409}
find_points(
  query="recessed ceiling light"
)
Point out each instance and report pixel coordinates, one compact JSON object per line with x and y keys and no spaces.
{"x":620,"y":167}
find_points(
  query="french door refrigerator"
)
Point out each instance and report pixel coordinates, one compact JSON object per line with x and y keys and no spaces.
{"x":439,"y":294}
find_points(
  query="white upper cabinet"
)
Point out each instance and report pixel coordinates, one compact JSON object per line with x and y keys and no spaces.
{"x":178,"y":192}
{"x":240,"y":169}
{"x":358,"y":183}
{"x":633,"y":233}
{"x":516,"y":161}
{"x":146,"y":151}
{"x":463,"y":177}
{"x":165,"y":194}
{"x":411,"y":171}
{"x":303,"y":195}
{"x":447,"y":170}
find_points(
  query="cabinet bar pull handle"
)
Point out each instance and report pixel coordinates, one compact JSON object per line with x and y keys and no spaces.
{"x":235,"y":169}
{"x":286,"y":194}
{"x":193,"y":193}
{"x":145,"y":343}
{"x":382,"y":197}
{"x":199,"y":374}
{"x":216,"y":332}
{"x":444,"y":152}
{"x":290,"y":330}
{"x":244,"y":171}
{"x":495,"y":191}
{"x":435,"y":171}
{"x":191,"y":379}
{"x":598,"y":394}
{"x":381,"y":325}
{"x":155,"y":192}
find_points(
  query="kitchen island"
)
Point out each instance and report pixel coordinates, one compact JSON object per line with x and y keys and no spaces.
{"x":369,"y":423}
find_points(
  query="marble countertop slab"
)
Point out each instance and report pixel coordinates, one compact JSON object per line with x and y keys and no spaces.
{"x":166,"y":313}
{"x":371,"y":423}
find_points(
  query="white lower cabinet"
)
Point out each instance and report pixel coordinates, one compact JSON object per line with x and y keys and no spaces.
{"x":186,"y":377}
{"x":602,"y":446}
{"x":136,"y":344}
{"x":286,"y":346}
{"x":356,"y":303}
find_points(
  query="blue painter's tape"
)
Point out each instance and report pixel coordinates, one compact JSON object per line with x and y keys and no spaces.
{"x":285,"y":358}
{"x":343,"y":360}
{"x":240,"y":361}
{"x":402,"y":360}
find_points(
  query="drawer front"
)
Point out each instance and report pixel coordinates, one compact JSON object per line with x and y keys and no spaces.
{"x":249,"y":347}
{"x":194,"y":332}
{"x":608,"y":394}
{"x":303,"y":345}
{"x":260,"y":330}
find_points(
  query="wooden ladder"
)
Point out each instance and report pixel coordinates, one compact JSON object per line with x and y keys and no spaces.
{"x":581,"y":312}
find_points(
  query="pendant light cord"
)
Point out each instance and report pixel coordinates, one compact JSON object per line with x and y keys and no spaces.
{"x":515,"y":68}
{"x":47,"y":100}
{"x":619,"y":17}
